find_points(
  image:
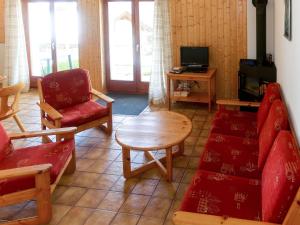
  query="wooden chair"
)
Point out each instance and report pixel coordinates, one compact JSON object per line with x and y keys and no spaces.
{"x":66,"y":100}
{"x":8,"y":109}
{"x":32,"y":180}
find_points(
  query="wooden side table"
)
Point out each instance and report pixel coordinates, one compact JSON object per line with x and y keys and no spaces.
{"x":209,"y":77}
{"x":151,"y":132}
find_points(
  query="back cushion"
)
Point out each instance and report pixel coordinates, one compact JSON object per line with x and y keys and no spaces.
{"x":66,"y":88}
{"x":272,"y":93}
{"x":5,"y":143}
{"x":276,"y":121}
{"x":280,"y":178}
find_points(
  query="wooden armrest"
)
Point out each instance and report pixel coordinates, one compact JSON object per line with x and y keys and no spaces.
{"x":24,"y":171}
{"x":30,"y":134}
{"x":53,"y":113}
{"x":102,"y":96}
{"x":233,"y":102}
{"x":188,"y":218}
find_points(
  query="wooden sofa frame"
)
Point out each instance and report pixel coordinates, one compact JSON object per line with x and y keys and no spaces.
{"x":57,"y":116}
{"x":189,"y":218}
{"x":42,"y":190}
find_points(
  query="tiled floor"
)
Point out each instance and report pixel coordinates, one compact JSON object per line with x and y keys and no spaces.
{"x":97,"y":193}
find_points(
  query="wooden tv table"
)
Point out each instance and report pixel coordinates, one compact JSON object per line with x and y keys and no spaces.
{"x":150,"y":132}
{"x":209,"y":97}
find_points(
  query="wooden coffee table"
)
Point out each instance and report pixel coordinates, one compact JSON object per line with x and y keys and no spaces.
{"x":150,"y":132}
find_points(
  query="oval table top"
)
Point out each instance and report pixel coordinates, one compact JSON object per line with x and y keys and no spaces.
{"x":154,"y":131}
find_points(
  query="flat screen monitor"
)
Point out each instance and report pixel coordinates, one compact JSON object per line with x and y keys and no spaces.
{"x":194,"y":56}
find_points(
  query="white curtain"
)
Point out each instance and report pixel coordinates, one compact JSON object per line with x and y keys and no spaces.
{"x":162,"y":53}
{"x":15,"y":58}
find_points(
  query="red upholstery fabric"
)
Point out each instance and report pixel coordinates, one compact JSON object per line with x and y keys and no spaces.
{"x":245,"y":124}
{"x":277,"y":120}
{"x":272,"y":93}
{"x":280,"y":178}
{"x":5,"y":143}
{"x":240,"y":127}
{"x":223,"y":195}
{"x":66,"y":88}
{"x":53,"y":153}
{"x":82,"y":113}
{"x":231,"y":155}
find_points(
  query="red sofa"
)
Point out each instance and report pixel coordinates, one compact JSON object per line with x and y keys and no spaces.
{"x":244,"y":180}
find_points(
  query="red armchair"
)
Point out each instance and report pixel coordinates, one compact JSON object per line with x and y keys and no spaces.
{"x":66,"y":100}
{"x":244,"y":124}
{"x":214,"y":198}
{"x":33,"y":172}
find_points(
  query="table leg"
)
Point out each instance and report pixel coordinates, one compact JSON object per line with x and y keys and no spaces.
{"x":181,"y":148}
{"x":169,"y":163}
{"x":126,"y":162}
{"x":209,"y":95}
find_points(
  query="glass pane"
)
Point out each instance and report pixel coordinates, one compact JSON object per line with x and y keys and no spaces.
{"x":40,"y":38}
{"x":120,"y":41}
{"x":66,"y":31}
{"x":146,"y":14}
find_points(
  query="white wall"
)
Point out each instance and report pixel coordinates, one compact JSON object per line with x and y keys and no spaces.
{"x":1,"y":58}
{"x":287,"y":59}
{"x":251,"y":29}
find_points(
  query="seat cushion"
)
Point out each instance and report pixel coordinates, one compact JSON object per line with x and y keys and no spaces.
{"x":231,"y":155}
{"x":53,"y":153}
{"x":240,"y":127}
{"x":223,"y":195}
{"x":66,"y":88}
{"x":280,"y":178}
{"x":5,"y":143}
{"x":276,"y":121}
{"x":82,"y":113}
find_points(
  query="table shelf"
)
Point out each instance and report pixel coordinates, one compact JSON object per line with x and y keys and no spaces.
{"x":192,"y":97}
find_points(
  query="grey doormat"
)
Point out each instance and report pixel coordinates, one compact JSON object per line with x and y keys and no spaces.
{"x":128,"y":104}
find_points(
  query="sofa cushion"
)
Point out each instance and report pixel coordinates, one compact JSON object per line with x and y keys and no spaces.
{"x":272,"y":93}
{"x":240,"y":127}
{"x":223,"y":195}
{"x":82,"y":113}
{"x":66,"y":88}
{"x":231,"y":155}
{"x":5,"y":143}
{"x":53,"y":153}
{"x":277,"y":120}
{"x":280,"y":178}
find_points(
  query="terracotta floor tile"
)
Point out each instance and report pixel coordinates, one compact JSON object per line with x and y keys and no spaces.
{"x":124,"y":185}
{"x":92,"y":198}
{"x":166,"y":190}
{"x":71,"y":196}
{"x":157,"y":207}
{"x":99,"y":166}
{"x":150,"y":221}
{"x":100,"y":217}
{"x":76,"y":216}
{"x":113,"y":201}
{"x":85,"y":179}
{"x":125,"y":219}
{"x":135,"y":204}
{"x":145,"y":187}
{"x":58,"y":212}
{"x":105,"y":181}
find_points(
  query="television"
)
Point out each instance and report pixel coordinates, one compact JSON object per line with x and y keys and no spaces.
{"x":194,"y":56}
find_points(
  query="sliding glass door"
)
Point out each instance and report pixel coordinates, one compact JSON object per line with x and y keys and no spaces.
{"x":128,"y":44}
{"x":52,"y":36}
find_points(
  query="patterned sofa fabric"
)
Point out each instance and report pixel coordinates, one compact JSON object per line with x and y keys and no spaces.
{"x":246,"y":124}
{"x":267,"y":199}
{"x":244,"y":156}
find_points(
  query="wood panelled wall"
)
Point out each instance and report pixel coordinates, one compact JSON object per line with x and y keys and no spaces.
{"x":219,"y":24}
{"x":90,"y":40}
{"x":2,"y":35}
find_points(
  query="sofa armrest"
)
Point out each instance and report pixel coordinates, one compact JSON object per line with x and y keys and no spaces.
{"x":102,"y":96}
{"x":188,"y":218}
{"x":53,"y":113}
{"x":235,"y":102}
{"x":31,"y":134}
{"x":24,"y":171}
